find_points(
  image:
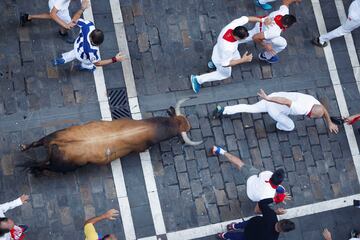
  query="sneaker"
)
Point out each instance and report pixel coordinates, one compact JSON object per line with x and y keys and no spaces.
{"x":231,"y":226}
{"x":263,"y":6}
{"x":354,"y":233}
{"x":195,"y":84}
{"x":211,"y":65}
{"x":218,"y":112}
{"x":273,"y":59}
{"x":58,"y":61}
{"x":70,"y":37}
{"x":316,"y":42}
{"x":220,"y":235}
{"x":24,"y":18}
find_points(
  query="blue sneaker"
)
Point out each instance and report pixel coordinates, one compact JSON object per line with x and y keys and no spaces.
{"x":265,"y":6}
{"x":218,"y":112}
{"x":273,"y":59}
{"x":195,"y":84}
{"x":211,"y":65}
{"x":58,"y":61}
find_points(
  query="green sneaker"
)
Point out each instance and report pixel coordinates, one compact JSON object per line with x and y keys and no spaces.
{"x":218,"y":112}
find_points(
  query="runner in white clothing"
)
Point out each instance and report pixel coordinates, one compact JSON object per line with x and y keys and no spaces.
{"x":269,"y":37}
{"x":59,"y":12}
{"x":351,"y":23}
{"x":8,"y":230}
{"x":225,"y":53}
{"x":281,"y":104}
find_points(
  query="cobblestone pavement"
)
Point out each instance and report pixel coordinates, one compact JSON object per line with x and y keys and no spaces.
{"x":168,"y":41}
{"x":37,"y":99}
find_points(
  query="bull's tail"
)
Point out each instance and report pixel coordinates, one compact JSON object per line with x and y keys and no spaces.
{"x":24,"y":147}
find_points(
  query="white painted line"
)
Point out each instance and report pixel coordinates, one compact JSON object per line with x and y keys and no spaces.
{"x":336,"y":83}
{"x":116,"y":168}
{"x":146,"y":164}
{"x":149,"y":238}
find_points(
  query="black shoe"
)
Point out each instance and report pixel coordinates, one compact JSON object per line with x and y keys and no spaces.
{"x":24,"y":18}
{"x":316,"y":42}
{"x":218,"y":112}
{"x":337,"y":120}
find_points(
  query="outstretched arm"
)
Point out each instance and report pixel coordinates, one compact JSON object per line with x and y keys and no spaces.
{"x":84,"y":5}
{"x":110,"y":215}
{"x":118,"y":58}
{"x":332,"y":127}
{"x":236,"y":161}
{"x":15,"y":203}
{"x":247,"y":57}
{"x":352,"y":119}
{"x":279,"y":100}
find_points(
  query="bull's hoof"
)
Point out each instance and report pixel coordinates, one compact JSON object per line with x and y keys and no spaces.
{"x":23,"y":147}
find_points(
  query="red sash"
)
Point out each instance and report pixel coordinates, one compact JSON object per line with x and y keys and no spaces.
{"x":228,"y":36}
{"x":261,"y":24}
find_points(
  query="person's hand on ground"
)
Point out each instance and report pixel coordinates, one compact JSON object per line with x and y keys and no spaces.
{"x":247,"y":57}
{"x":120,"y":57}
{"x":333,"y":128}
{"x":280,"y":211}
{"x":327,"y":234}
{"x":263,"y":95}
{"x":24,"y":198}
{"x":112,"y":214}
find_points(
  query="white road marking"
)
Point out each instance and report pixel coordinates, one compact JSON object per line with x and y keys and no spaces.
{"x":116,"y":168}
{"x":146,"y":164}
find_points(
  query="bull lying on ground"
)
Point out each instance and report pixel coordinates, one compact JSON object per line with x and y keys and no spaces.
{"x":101,"y":142}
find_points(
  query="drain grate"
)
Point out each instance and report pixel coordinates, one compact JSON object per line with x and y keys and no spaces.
{"x":118,"y":102}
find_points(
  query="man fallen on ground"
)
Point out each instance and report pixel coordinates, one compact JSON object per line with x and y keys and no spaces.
{"x":86,"y":49}
{"x":8,"y":229}
{"x":265,"y":227}
{"x":225,"y":54}
{"x":89,"y":228}
{"x":351,"y":23}
{"x":279,"y":106}
{"x":259,"y":185}
{"x":354,"y":235}
{"x":59,"y":12}
{"x":269,"y":36}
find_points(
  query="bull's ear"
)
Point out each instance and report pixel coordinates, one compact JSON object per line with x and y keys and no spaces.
{"x":171,"y":111}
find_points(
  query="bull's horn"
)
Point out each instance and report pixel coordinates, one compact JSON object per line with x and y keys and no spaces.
{"x":178,"y":104}
{"x":188,"y":141}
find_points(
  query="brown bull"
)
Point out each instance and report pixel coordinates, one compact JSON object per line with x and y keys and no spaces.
{"x":101,"y":142}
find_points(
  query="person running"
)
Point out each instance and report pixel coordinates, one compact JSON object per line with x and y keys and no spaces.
{"x":259,"y":185}
{"x":264,"y":4}
{"x":8,"y":229}
{"x":279,"y":106}
{"x":269,"y":36}
{"x":89,"y":228}
{"x":225,"y":54}
{"x":86,"y":49}
{"x":59,"y":12}
{"x":351,"y":23}
{"x":265,"y":227}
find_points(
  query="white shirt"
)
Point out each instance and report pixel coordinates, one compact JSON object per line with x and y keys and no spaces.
{"x":4,"y":208}
{"x":85,"y":51}
{"x":354,"y":10}
{"x":301,"y":103}
{"x":258,"y":188}
{"x":59,"y":4}
{"x":224,"y":50}
{"x":274,"y":31}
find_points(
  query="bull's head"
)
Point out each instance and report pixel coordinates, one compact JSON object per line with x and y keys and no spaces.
{"x":186,"y":124}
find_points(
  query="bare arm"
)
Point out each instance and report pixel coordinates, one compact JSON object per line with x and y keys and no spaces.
{"x":279,"y":100}
{"x":110,"y":215}
{"x":327,"y":234}
{"x":247,"y":57}
{"x":234,"y":160}
{"x":332,"y":127}
{"x":259,"y":38}
{"x":119,"y":58}
{"x":55,"y":17}
{"x":352,"y":119}
{"x":77,"y":15}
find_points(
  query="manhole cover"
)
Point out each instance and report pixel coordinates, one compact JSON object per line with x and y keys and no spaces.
{"x":118,"y":102}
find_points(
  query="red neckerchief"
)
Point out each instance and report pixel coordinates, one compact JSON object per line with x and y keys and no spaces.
{"x":272,"y":185}
{"x":228,"y":36}
{"x":278,"y":22}
{"x":309,"y":114}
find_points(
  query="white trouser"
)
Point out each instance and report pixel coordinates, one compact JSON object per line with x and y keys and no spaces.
{"x":276,"y":112}
{"x":347,"y":27}
{"x":72,"y":55}
{"x":62,"y":14}
{"x":266,"y":1}
{"x":219,"y":74}
{"x":278,"y":43}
